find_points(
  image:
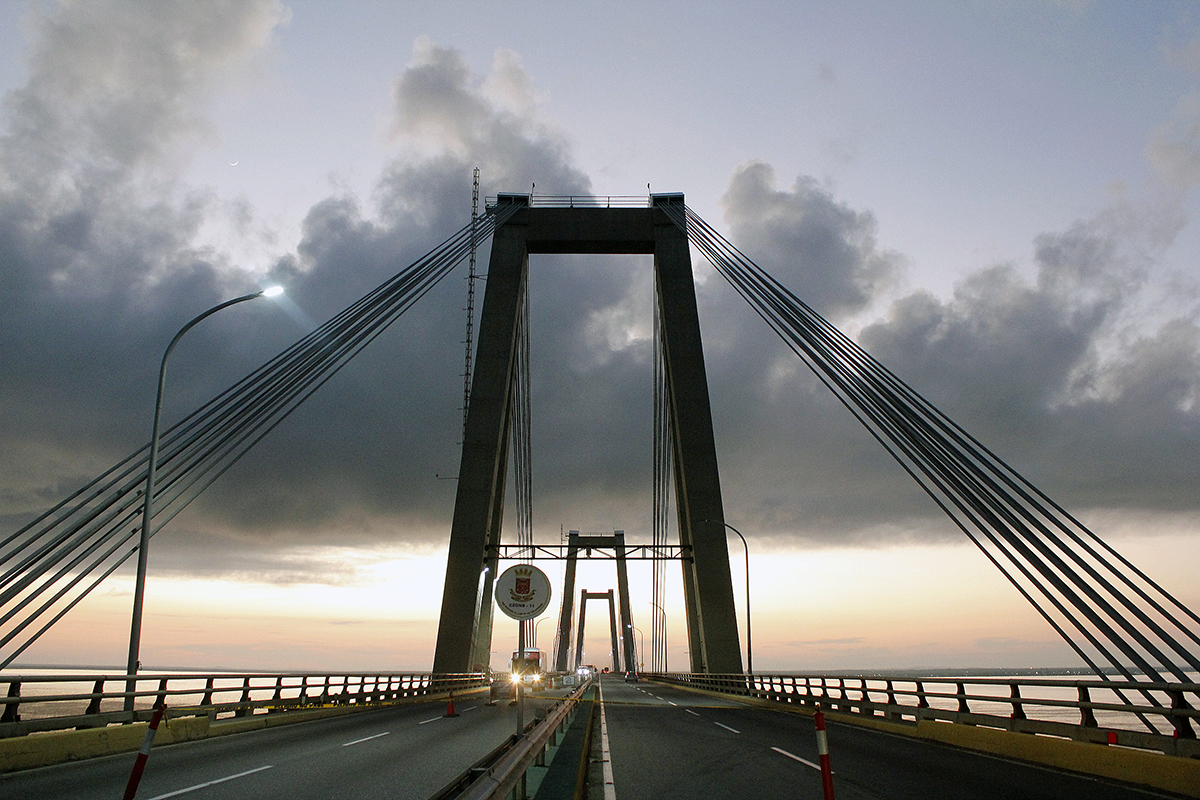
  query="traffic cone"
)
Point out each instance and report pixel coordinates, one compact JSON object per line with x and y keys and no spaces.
{"x":450,"y":712}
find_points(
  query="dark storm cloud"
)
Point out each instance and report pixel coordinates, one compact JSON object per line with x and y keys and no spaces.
{"x":804,"y":237}
{"x":360,"y":461}
{"x":98,"y":246}
{"x":1059,"y":373}
{"x":97,"y":240}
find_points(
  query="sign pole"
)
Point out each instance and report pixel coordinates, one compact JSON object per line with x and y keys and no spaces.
{"x":523,"y":593}
{"x":517,"y":674}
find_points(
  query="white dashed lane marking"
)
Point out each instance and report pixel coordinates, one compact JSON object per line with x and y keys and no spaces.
{"x":366,"y":739}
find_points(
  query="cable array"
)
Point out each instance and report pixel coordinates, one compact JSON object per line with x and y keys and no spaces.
{"x":522,"y":447}
{"x":662,"y":502}
{"x":1105,"y":608}
{"x":51,"y":564}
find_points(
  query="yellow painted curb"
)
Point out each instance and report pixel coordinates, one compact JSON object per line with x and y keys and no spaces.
{"x":1171,"y":773}
{"x":39,"y":750}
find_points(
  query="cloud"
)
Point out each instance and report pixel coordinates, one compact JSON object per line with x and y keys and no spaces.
{"x":102,"y":261}
{"x":1064,"y":375}
{"x":98,"y":240}
{"x":806,"y":238}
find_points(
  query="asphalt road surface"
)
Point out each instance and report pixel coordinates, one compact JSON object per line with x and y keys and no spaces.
{"x":408,"y":751}
{"x":666,"y":742}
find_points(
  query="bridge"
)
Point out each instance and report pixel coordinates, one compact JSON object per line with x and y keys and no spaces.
{"x":714,"y":730}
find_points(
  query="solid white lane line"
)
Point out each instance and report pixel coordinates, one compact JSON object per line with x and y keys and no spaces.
{"x":610,"y":792}
{"x":210,"y":783}
{"x":805,"y":762}
{"x":431,"y":719}
{"x":366,"y":739}
{"x":726,"y":727}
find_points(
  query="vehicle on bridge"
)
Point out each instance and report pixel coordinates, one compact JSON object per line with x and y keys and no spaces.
{"x":528,"y":668}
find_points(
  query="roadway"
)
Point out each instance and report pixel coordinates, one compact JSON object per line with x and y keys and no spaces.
{"x":407,"y":751}
{"x":666,"y":742}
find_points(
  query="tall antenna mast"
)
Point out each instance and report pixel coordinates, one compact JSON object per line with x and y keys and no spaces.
{"x":470,"y":300}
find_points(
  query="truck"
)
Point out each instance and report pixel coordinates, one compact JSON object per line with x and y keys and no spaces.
{"x":528,"y":668}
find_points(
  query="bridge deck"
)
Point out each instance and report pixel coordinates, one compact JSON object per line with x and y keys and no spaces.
{"x":665,"y":742}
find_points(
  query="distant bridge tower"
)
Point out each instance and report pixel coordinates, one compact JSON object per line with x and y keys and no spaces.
{"x":574,"y":542}
{"x":584,"y":596}
{"x":464,"y":629}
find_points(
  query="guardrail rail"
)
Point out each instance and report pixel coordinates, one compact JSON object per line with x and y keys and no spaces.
{"x":572,"y":200}
{"x":40,"y":703}
{"x":505,"y":775}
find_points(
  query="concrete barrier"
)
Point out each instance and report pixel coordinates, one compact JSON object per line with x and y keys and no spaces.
{"x":1170,"y":773}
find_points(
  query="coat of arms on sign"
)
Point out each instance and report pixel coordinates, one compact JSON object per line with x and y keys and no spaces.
{"x":522,"y":592}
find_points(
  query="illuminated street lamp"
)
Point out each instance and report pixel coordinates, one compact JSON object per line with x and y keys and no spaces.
{"x":749,"y":657}
{"x":139,"y":591}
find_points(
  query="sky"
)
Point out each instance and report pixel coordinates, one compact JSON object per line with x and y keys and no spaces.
{"x":996,"y":199}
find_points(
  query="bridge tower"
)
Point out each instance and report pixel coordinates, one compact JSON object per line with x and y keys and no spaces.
{"x":464,"y":628}
{"x":574,"y":542}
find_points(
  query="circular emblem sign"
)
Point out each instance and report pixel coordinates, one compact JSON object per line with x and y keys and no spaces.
{"x":523,"y":591}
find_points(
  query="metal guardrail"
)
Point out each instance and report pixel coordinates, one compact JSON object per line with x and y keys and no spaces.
{"x":576,"y":201}
{"x":1037,"y":706}
{"x":39,"y":703}
{"x":506,"y":776}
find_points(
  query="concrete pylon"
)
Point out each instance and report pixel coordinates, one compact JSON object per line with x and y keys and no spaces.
{"x":575,"y":543}
{"x":615,"y":654}
{"x":463,"y":628}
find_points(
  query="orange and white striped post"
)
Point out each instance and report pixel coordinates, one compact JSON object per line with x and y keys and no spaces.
{"x":823,"y":754}
{"x":135,"y":777}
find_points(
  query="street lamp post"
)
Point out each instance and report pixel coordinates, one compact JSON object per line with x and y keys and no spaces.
{"x":663,"y":630}
{"x":139,"y":591}
{"x":749,"y":656}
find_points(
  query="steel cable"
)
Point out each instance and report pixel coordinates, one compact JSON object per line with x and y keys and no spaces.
{"x":1048,"y":547}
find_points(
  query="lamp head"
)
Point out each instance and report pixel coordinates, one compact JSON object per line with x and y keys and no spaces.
{"x":272,"y":291}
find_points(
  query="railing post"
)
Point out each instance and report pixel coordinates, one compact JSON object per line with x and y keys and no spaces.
{"x":161,"y":698}
{"x":97,"y":692}
{"x":244,"y":703}
{"x":1018,"y":708}
{"x":865,"y":703}
{"x":277,"y":697}
{"x":1086,"y":717}
{"x":12,"y":711}
{"x":922,"y":702}
{"x":1183,"y":726}
{"x":208,"y":693}
{"x":963,"y":708}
